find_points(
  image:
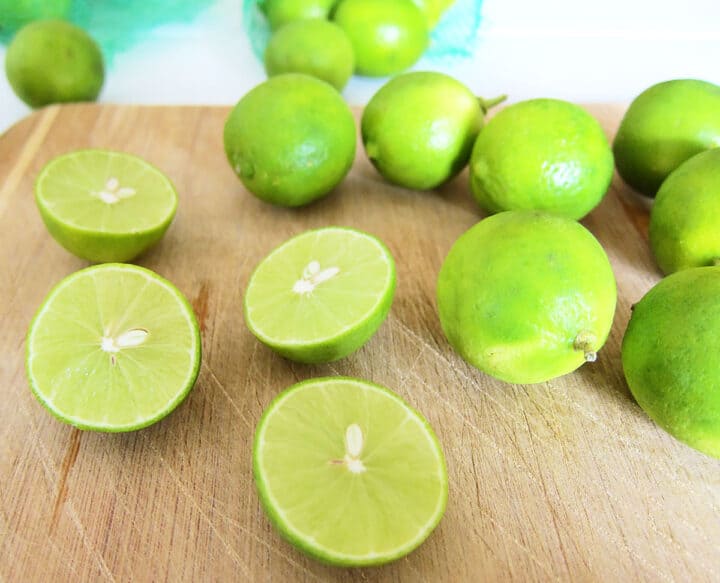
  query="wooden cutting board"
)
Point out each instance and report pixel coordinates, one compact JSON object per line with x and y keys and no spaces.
{"x":566,"y":480}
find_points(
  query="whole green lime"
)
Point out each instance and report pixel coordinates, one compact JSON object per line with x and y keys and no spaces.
{"x":669,"y":356}
{"x":541,"y":154}
{"x":685,"y":219}
{"x":53,"y":61}
{"x":314,"y":47}
{"x":664,"y":126}
{"x":526,"y":296}
{"x":419,"y":128}
{"x":280,"y":12}
{"x":291,"y":139}
{"x":387,"y":36}
{"x":433,"y":10}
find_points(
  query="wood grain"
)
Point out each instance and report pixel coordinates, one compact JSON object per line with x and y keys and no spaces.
{"x":566,"y":480}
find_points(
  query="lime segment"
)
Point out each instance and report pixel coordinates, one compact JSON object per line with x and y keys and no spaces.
{"x":349,"y":472}
{"x":113,"y":348}
{"x":321,"y":295}
{"x":103,"y":205}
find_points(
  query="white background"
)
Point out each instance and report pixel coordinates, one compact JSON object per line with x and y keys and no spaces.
{"x":581,"y":50}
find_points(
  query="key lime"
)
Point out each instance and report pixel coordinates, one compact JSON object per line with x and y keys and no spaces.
{"x":420,"y":127}
{"x":664,"y":126}
{"x":685,"y":219}
{"x":314,"y":47}
{"x":53,"y":61}
{"x":321,"y":295}
{"x":348,"y":472}
{"x":669,"y":356}
{"x":541,"y":154}
{"x":103,"y":205}
{"x":113,"y":347}
{"x":387,"y":36}
{"x":282,"y":12}
{"x":526,"y":296}
{"x":291,"y":139}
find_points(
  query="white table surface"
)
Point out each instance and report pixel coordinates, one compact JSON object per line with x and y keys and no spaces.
{"x":572,"y":49}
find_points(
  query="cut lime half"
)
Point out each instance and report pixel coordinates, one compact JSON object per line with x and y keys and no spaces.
{"x":113,"y":347}
{"x":349,"y":472}
{"x":321,"y":295}
{"x":104,"y":206}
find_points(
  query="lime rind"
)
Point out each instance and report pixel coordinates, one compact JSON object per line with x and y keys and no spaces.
{"x":301,"y":540}
{"x":194,"y":351}
{"x":346,"y":337}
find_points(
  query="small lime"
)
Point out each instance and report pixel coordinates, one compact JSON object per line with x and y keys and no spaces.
{"x":348,"y":472}
{"x":669,"y":356}
{"x":685,"y":219}
{"x":53,"y":61}
{"x":664,"y":126}
{"x":281,"y":12}
{"x":291,"y":139}
{"x":314,"y":47}
{"x":113,"y":347}
{"x":103,"y":205}
{"x":541,"y":154}
{"x":419,"y":128}
{"x":387,"y":36}
{"x":321,"y":295}
{"x":526,"y":296}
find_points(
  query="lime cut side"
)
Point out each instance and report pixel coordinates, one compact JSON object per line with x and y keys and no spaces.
{"x":113,"y":348}
{"x":349,"y":472}
{"x":103,"y":205}
{"x":321,"y":295}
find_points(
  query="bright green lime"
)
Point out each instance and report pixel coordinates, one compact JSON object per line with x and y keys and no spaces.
{"x":291,"y":139}
{"x":669,"y":355}
{"x":526,"y":296}
{"x":53,"y":61}
{"x":321,"y":295}
{"x":113,"y":347}
{"x":282,"y":12}
{"x":541,"y":154}
{"x":348,"y":472}
{"x":664,"y":126}
{"x":387,"y":36}
{"x":685,"y":219}
{"x":419,"y":128}
{"x":314,"y":47}
{"x":103,"y":205}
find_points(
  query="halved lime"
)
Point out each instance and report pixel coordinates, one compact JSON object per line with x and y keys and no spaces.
{"x":349,"y":472}
{"x":321,"y":295}
{"x":113,"y":347}
{"x":103,"y":205}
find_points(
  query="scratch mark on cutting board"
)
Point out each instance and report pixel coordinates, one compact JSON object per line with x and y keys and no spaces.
{"x":200,"y":305}
{"x":223,"y":390}
{"x":639,"y":217}
{"x":184,"y":491}
{"x":67,"y":465}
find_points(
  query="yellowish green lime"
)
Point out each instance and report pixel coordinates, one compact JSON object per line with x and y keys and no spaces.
{"x":541,"y":154}
{"x":348,"y":472}
{"x":420,"y":127}
{"x":685,"y":219}
{"x":664,"y":126}
{"x":113,"y":347}
{"x":291,"y":139}
{"x":387,"y":36}
{"x":314,"y":47}
{"x":103,"y":205}
{"x":669,"y":356}
{"x":321,"y":295}
{"x":53,"y":61}
{"x":526,"y":296}
{"x":282,"y":12}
